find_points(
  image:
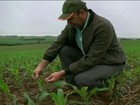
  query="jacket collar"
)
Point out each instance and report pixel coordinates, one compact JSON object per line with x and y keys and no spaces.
{"x":91,"y":17}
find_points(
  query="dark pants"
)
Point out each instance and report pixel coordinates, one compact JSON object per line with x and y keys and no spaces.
{"x":94,"y":77}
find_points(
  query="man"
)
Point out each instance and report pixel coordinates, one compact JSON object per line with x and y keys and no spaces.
{"x":87,"y":47}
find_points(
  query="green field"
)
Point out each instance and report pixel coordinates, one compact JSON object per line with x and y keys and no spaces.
{"x":20,"y":40}
{"x":17,"y":87}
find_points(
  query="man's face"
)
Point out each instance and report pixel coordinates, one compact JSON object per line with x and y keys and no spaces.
{"x":76,"y":20}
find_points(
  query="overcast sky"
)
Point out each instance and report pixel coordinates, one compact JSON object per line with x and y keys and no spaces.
{"x":40,"y":17}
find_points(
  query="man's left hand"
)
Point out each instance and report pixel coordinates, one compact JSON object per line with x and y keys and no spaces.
{"x":55,"y":76}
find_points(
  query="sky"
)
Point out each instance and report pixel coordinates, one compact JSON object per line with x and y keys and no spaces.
{"x":41,"y":17}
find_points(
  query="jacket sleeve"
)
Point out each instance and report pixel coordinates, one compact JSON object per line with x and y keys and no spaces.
{"x":98,"y":48}
{"x":51,"y":53}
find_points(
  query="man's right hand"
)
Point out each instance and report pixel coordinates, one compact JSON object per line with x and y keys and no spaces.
{"x":37,"y":73}
{"x":40,"y":68}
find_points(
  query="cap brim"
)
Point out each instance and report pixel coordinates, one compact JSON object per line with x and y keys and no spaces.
{"x":65,"y":16}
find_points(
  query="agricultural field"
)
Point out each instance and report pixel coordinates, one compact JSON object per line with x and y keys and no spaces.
{"x":22,"y":40}
{"x":18,"y":87}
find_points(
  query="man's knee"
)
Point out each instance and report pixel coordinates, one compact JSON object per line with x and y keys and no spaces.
{"x":64,"y":50}
{"x":71,"y":52}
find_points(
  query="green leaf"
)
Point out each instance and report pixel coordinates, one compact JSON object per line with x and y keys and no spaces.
{"x":43,"y":95}
{"x":4,"y":87}
{"x":59,"y":98}
{"x":30,"y":101}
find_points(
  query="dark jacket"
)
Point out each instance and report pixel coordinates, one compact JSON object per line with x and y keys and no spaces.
{"x":99,"y":43}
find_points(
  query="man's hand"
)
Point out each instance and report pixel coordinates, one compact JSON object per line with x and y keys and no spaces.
{"x":55,"y":76}
{"x":40,"y":68}
{"x":37,"y":73}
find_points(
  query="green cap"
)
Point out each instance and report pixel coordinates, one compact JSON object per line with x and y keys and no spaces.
{"x":71,"y":6}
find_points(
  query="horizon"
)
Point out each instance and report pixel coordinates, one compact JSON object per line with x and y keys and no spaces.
{"x":56,"y":36}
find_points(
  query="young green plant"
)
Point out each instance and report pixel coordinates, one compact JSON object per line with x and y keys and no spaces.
{"x":84,"y":93}
{"x":27,"y":97}
{"x":59,"y":98}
